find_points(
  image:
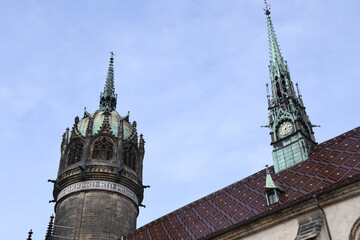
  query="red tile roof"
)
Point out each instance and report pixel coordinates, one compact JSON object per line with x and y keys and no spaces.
{"x":331,"y":164}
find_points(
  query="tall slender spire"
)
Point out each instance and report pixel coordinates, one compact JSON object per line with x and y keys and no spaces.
{"x":276,"y":60}
{"x":108,"y":97}
{"x":290,"y":128}
{"x":281,"y":84}
{"x":109,"y":88}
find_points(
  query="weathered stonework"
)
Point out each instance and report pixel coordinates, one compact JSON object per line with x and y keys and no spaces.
{"x":342,"y":209}
{"x":99,"y":187}
{"x":95,"y":215}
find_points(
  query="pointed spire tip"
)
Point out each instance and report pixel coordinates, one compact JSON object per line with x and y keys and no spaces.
{"x":108,"y":97}
{"x":267,"y":8}
{"x":112,"y":56}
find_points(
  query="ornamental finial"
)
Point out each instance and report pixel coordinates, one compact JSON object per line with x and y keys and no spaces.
{"x":30,"y":234}
{"x":108,"y":97}
{"x":50,"y":228}
{"x":267,"y":8}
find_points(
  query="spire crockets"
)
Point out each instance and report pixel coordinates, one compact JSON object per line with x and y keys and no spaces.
{"x":108,"y":97}
{"x":281,"y":84}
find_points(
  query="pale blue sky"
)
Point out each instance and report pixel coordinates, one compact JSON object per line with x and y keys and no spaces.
{"x":193,"y":75}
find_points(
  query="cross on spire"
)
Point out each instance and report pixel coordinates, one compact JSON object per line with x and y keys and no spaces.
{"x":30,"y":234}
{"x":267,"y":8}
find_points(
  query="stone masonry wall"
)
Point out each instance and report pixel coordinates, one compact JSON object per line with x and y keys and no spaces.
{"x":97,"y":215}
{"x":341,"y":215}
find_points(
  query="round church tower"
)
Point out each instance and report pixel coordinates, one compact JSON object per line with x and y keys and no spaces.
{"x":99,"y":187}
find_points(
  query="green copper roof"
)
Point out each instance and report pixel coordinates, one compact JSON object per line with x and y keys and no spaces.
{"x":107,"y":107}
{"x":114,"y":120}
{"x":277,"y":63}
{"x":269,"y":181}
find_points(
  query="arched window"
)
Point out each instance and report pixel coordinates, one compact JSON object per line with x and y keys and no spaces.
{"x":75,"y":153}
{"x":355,"y":231}
{"x":129,"y":157}
{"x":103,"y":149}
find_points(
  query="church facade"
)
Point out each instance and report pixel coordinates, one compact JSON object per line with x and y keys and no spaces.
{"x":311,"y":192}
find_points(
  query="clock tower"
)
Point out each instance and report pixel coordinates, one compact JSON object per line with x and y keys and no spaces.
{"x":291,"y":131}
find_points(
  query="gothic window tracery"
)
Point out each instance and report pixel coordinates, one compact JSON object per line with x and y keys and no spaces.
{"x":129,"y":157}
{"x":103,"y":149}
{"x":75,"y":153}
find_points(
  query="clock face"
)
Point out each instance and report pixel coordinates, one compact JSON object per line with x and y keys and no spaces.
{"x":285,"y":128}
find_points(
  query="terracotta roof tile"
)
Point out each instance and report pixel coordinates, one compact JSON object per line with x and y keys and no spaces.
{"x":334,"y":162}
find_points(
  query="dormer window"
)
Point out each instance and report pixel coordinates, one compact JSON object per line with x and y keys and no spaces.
{"x":272,"y":196}
{"x":272,"y":191}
